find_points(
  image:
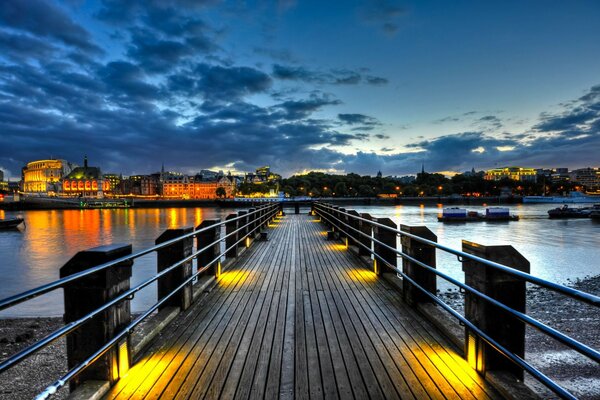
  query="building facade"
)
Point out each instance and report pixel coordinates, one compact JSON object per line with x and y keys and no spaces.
{"x":44,"y":176}
{"x":588,"y":177}
{"x":515,"y":173}
{"x":85,"y":181}
{"x":197,"y":187}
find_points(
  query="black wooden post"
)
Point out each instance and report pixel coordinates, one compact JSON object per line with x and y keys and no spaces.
{"x":253,"y":222}
{"x":243,"y":233}
{"x":343,"y":228}
{"x":501,"y":326}
{"x":367,"y":229}
{"x":336,"y":215}
{"x":205,"y":238}
{"x":354,"y":223}
{"x":87,"y":294}
{"x":231,"y":237}
{"x":166,"y":257}
{"x":388,"y":239}
{"x":421,"y":252}
{"x":296,"y":208}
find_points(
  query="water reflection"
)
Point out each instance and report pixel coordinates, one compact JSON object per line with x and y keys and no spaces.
{"x":33,"y":255}
{"x":557,"y":249}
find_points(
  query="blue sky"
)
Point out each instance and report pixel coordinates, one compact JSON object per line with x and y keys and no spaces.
{"x":341,"y":86}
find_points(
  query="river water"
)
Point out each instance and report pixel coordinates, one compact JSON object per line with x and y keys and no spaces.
{"x":558,"y":250}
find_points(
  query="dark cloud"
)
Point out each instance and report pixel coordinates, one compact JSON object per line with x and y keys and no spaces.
{"x":43,"y":19}
{"x":381,"y":136}
{"x":489,"y":122}
{"x":219,"y":83}
{"x":298,"y":109}
{"x":21,"y":47}
{"x":332,"y":77}
{"x":358,"y":119}
{"x":385,"y":14}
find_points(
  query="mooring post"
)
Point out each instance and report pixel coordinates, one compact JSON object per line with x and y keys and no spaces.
{"x":253,"y":222}
{"x":366,"y":228}
{"x":354,"y":236}
{"x":500,"y":325}
{"x":166,"y":257}
{"x":89,"y":293}
{"x":421,"y":252}
{"x":385,"y":249}
{"x":243,"y":233}
{"x":231,"y":237}
{"x":343,"y":228}
{"x":203,"y":239}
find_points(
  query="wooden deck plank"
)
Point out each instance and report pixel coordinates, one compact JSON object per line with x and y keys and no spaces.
{"x":301,"y":317}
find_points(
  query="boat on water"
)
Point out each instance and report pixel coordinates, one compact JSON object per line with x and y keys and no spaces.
{"x":595,"y":212}
{"x":10,"y":223}
{"x":43,"y":202}
{"x":573,"y":212}
{"x":457,"y":214}
{"x":573,"y":197}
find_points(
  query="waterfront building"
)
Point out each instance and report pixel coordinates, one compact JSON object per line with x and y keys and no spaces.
{"x":44,"y":176}
{"x":515,"y":173}
{"x":1,"y":175}
{"x":85,"y":181}
{"x":588,"y":177}
{"x":114,"y":182}
{"x":262,"y":175}
{"x":197,"y":187}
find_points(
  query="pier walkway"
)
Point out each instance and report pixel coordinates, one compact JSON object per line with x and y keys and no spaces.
{"x":301,"y":317}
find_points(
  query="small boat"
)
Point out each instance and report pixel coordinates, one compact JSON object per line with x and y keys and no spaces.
{"x":595,"y":213}
{"x":457,"y":214}
{"x":10,"y":223}
{"x":570,"y":212}
{"x":499,"y":214}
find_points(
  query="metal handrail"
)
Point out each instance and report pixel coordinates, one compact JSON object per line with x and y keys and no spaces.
{"x":587,"y":298}
{"x":54,"y":387}
{"x":570,"y":342}
{"x":50,"y":338}
{"x":42,"y":289}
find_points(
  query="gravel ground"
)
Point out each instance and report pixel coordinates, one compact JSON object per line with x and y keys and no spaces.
{"x":566,"y":367}
{"x":582,"y":322}
{"x":31,"y":376}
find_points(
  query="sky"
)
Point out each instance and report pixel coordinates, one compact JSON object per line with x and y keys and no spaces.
{"x":337,"y":86}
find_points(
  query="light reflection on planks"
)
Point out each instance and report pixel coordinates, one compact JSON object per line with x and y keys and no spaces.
{"x":300,"y":317}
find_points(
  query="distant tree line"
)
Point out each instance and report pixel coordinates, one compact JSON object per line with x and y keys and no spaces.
{"x":318,"y":184}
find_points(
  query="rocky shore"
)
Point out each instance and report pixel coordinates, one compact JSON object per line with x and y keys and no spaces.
{"x":565,"y":366}
{"x":580,"y":321}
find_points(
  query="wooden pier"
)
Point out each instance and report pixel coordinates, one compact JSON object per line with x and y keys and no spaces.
{"x":301,"y":317}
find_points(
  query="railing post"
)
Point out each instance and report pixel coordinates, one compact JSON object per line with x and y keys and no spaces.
{"x":231,"y":237}
{"x":421,"y":252}
{"x":500,"y":325}
{"x":89,"y":293}
{"x":336,"y":216}
{"x":366,"y":241}
{"x":252,"y":222}
{"x":354,"y":236}
{"x":389,"y":239}
{"x":166,"y":257}
{"x":203,"y":239}
{"x":296,"y":208}
{"x":343,"y":228}
{"x":243,"y":233}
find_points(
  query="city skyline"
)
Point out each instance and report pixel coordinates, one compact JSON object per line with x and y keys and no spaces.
{"x":338,"y":87}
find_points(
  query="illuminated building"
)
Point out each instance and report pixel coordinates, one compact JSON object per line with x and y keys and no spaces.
{"x":515,"y":173}
{"x":43,"y":176}
{"x":588,"y":177}
{"x":197,"y":187}
{"x":262,"y":175}
{"x":85,"y":181}
{"x":114,"y":182}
